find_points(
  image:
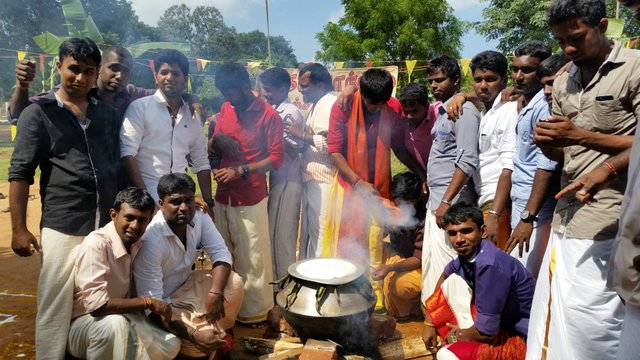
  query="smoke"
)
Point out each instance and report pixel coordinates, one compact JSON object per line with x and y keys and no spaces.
{"x":387,"y":214}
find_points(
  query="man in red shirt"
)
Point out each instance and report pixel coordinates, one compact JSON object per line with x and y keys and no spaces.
{"x":249,"y":139}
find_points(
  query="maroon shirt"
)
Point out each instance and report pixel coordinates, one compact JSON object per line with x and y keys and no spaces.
{"x":259,"y":135}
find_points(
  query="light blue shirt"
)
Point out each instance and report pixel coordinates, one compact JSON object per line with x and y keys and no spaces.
{"x":529,"y":158}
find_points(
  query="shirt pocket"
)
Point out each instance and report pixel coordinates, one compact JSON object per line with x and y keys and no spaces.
{"x":609,"y":114}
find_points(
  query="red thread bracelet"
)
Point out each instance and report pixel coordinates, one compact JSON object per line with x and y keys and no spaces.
{"x":611,"y":168}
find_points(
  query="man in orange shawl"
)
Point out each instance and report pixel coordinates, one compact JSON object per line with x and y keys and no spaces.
{"x":359,"y":142}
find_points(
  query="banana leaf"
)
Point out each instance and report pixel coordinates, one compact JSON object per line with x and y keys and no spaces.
{"x":138,"y":49}
{"x":48,"y":42}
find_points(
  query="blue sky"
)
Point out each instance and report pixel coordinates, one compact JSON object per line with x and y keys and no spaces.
{"x":299,"y":21}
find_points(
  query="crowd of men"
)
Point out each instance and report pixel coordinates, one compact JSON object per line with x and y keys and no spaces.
{"x":522,"y":238}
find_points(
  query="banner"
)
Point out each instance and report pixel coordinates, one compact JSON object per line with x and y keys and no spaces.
{"x":341,"y":78}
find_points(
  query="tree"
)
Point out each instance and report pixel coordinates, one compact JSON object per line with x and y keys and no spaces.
{"x":513,"y":22}
{"x":391,"y":30}
{"x":253,"y":46}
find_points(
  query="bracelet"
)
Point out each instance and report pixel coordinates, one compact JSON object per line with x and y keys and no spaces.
{"x":147,"y":302}
{"x":358,"y":179}
{"x":445,"y":201}
{"x":611,"y":168}
{"x":493,"y":212}
{"x":454,"y":336}
{"x":430,"y":324}
{"x":220,"y":294}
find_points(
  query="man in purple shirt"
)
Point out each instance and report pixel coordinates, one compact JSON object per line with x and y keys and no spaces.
{"x":499,"y":287}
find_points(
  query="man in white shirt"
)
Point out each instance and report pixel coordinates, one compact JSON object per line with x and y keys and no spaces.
{"x":159,"y":131}
{"x":497,"y":144}
{"x":208,"y":302}
{"x":318,"y":172}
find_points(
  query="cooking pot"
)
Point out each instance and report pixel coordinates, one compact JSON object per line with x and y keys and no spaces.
{"x":327,"y":298}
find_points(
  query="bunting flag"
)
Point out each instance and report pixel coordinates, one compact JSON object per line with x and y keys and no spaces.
{"x":152,"y":65}
{"x":464,"y":64}
{"x":21,"y":54}
{"x":338,"y":64}
{"x":369,"y":63}
{"x":411,"y":64}
{"x":615,"y":28}
{"x":198,"y":65}
{"x":14,"y":130}
{"x":42,"y":56}
{"x":204,"y":63}
{"x":189,"y":85}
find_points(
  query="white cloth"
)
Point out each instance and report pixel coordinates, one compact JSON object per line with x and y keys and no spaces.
{"x":119,"y":337}
{"x":316,"y":162}
{"x":459,"y":296}
{"x":55,"y":292}
{"x":532,"y":259}
{"x":163,"y":264}
{"x":284,"y":220}
{"x":437,"y":252}
{"x":574,"y":314}
{"x":315,"y":200}
{"x":497,"y":145}
{"x":630,"y":338}
{"x":159,"y":146}
{"x":246,"y":233}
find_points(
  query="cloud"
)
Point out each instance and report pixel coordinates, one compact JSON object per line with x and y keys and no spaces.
{"x":336,"y":15}
{"x":149,"y":11}
{"x":463,"y":4}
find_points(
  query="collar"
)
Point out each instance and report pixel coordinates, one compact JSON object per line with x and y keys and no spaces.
{"x":615,"y":58}
{"x":497,"y":104}
{"x":158,"y":97}
{"x":53,"y":96}
{"x":117,"y":246}
{"x":286,"y":102}
{"x":537,"y":98}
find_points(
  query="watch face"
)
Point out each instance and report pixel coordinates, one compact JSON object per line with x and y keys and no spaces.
{"x":525,"y":215}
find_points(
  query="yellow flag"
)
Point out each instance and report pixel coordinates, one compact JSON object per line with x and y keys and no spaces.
{"x":338,"y":64}
{"x":204,"y":63}
{"x":464,"y":64}
{"x":21,"y":55}
{"x":189,"y":85}
{"x":411,"y":64}
{"x":14,"y":129}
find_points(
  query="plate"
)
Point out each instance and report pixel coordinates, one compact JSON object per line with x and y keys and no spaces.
{"x":329,"y":271}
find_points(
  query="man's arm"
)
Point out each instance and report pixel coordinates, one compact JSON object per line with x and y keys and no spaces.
{"x":131,"y":134}
{"x":130,"y":166}
{"x":25,"y":73}
{"x":458,"y":180}
{"x":411,"y":163}
{"x":21,"y":237}
{"x":500,"y":200}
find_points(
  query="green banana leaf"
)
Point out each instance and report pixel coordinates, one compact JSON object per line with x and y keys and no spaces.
{"x":48,"y":42}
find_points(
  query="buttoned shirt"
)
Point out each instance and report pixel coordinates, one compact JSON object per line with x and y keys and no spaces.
{"x":529,"y":158}
{"x":502,"y":289}
{"x":164,"y":263}
{"x":159,"y":143}
{"x":102,"y":270}
{"x":609,"y":104}
{"x":258,"y":132}
{"x":290,"y":169}
{"x":455,"y":145}
{"x":496,"y":145}
{"x":316,"y":162}
{"x":418,"y":140}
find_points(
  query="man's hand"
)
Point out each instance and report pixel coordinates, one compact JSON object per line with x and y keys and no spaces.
{"x":208,"y":341}
{"x":294,"y":129}
{"x":381,"y":272}
{"x":508,"y":94}
{"x":346,"y":97}
{"x":587,"y":185}
{"x":21,"y":242}
{"x":25,"y":72}
{"x":442,"y":208}
{"x":215,"y":306}
{"x":557,"y":131}
{"x":430,"y":338}
{"x":365,"y":189}
{"x":162,"y":309}
{"x":454,"y":108}
{"x":452,"y":336}
{"x":226,"y":175}
{"x":520,"y":237}
{"x":224,"y":144}
{"x":492,"y":228}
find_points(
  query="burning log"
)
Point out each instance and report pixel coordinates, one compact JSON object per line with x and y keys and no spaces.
{"x":261,"y":346}
{"x":319,"y":350}
{"x":406,"y":348}
{"x":283,"y":355}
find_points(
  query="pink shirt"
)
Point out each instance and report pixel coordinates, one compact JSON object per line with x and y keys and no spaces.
{"x":418,"y":140}
{"x":103,"y":270}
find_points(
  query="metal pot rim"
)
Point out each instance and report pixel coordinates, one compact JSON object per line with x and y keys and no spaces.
{"x":340,"y":280}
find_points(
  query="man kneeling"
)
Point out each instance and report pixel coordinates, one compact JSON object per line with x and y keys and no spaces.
{"x":205,"y":304}
{"x":482,"y":302}
{"x":107,"y":324}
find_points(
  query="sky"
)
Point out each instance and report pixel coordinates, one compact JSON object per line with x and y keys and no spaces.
{"x":299,"y":20}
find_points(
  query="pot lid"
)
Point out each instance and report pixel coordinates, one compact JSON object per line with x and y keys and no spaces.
{"x":329,"y":271}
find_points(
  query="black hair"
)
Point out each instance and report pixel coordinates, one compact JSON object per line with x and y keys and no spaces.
{"x":118,"y":50}
{"x":376,"y":85}
{"x":81,"y":49}
{"x":174,"y":183}
{"x":461,"y":212}
{"x":589,"y":11}
{"x":492,"y":61}
{"x":136,"y":198}
{"x":413,"y":93}
{"x":317,"y":74}
{"x":551,"y":65}
{"x":276,"y":77}
{"x":171,"y":56}
{"x":534,"y":48}
{"x":232,"y":76}
{"x":406,"y":186}
{"x":447,"y":64}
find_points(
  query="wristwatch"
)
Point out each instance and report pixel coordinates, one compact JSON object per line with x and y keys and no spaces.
{"x":527,"y":217}
{"x":210,"y":203}
{"x":245,"y":171}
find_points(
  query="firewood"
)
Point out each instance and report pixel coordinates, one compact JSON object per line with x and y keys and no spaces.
{"x":319,"y":350}
{"x":283,"y":355}
{"x":406,"y":348}
{"x":262,"y":346}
